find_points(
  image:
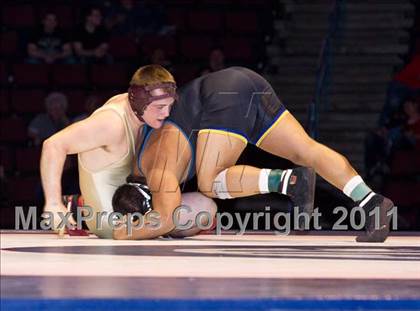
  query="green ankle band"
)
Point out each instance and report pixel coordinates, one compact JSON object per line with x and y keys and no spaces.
{"x":360,"y":192}
{"x":274,"y":179}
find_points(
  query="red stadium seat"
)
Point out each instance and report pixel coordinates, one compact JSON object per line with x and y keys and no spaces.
{"x":9,"y":44}
{"x":195,"y":47}
{"x":123,"y":48}
{"x":31,"y":75}
{"x":28,"y":101}
{"x":205,"y":21}
{"x":23,"y":189}
{"x":12,"y":130}
{"x":18,"y":16}
{"x":69,"y":75}
{"x":27,"y":160}
{"x":238,"y":49}
{"x":242,"y":22}
{"x":405,"y":163}
{"x":4,"y":102}
{"x":114,"y":76}
{"x":176,"y":3}
{"x":76,"y":100}
{"x":4,"y":76}
{"x":6,"y":158}
{"x":177,"y":18}
{"x":151,"y":43}
{"x":403,"y":193}
{"x":216,"y":3}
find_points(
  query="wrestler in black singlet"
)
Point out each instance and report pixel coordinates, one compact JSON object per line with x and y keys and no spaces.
{"x":236,"y":101}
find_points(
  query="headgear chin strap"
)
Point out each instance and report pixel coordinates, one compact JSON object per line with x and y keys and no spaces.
{"x":140,"y":97}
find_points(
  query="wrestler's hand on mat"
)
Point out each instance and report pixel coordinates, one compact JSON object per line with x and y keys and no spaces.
{"x":58,"y":210}
{"x":120,"y":230}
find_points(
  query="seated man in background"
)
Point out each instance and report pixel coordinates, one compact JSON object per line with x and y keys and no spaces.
{"x":55,"y":119}
{"x":91,"y":40}
{"x":48,"y":44}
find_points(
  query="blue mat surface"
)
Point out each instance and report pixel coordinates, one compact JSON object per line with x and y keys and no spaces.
{"x":205,"y":304}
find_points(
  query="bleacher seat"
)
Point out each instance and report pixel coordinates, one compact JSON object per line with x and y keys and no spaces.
{"x":31,"y":75}
{"x":110,"y":76}
{"x":405,"y":163}
{"x":244,"y":23}
{"x":69,"y":75}
{"x":255,"y":4}
{"x":238,"y":49}
{"x":9,"y":44}
{"x":76,"y":99}
{"x":4,"y":102}
{"x":178,"y":18}
{"x":6,"y":158}
{"x":18,"y":16}
{"x":123,"y":48}
{"x":195,"y":47}
{"x":23,"y":189}
{"x":28,"y":101}
{"x":182,"y":3}
{"x":4,"y":76}
{"x":403,"y":193}
{"x":203,"y":21}
{"x":152,"y":42}
{"x":27,"y":159}
{"x":218,"y":4}
{"x":12,"y":130}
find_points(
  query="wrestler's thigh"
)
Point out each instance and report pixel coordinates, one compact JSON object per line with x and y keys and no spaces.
{"x":288,"y":139}
{"x":216,"y":151}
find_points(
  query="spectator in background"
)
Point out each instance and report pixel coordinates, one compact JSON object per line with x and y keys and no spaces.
{"x":129,"y":17}
{"x":405,"y":84}
{"x":55,"y":119}
{"x":153,"y":19}
{"x":91,"y":104}
{"x":407,"y":136}
{"x":381,"y":144}
{"x":48,"y":44}
{"x":124,"y":18}
{"x":158,"y":57}
{"x":91,"y":40}
{"x":215,"y":62}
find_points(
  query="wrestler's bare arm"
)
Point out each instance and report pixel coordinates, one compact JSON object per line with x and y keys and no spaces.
{"x":164,"y":163}
{"x":164,"y":203}
{"x":103,"y":129}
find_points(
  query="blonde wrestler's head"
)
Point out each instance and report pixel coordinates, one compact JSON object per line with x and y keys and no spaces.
{"x":151,"y":94}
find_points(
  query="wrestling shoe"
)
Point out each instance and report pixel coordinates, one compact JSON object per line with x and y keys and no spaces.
{"x":376,"y":228}
{"x":299,"y":185}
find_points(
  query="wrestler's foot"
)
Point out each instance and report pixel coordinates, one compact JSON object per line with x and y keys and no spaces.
{"x":299,"y":185}
{"x":377,"y":228}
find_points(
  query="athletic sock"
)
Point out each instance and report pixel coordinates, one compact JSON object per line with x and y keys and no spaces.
{"x":272,"y":180}
{"x":357,"y":190}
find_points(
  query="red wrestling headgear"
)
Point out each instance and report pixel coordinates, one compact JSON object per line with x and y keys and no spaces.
{"x":140,"y":97}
